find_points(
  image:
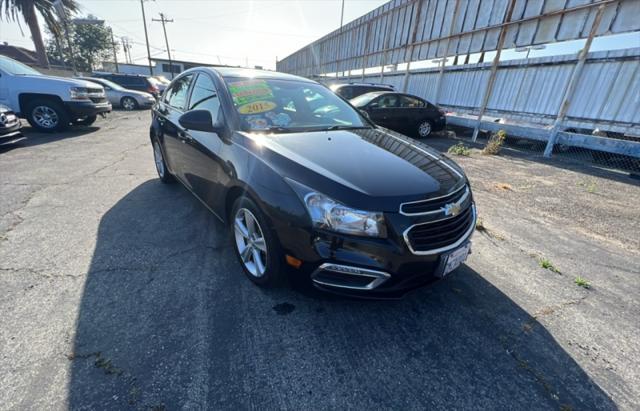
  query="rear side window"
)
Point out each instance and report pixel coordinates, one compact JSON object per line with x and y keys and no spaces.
{"x":204,"y":96}
{"x":176,"y":95}
{"x":410,"y":102}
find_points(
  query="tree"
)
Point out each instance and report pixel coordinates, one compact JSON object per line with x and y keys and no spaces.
{"x":12,"y":9}
{"x":91,"y":43}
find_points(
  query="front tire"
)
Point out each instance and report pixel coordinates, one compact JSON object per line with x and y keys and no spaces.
{"x":47,"y":116}
{"x":424,"y":129}
{"x":129,"y":103}
{"x":161,"y":166}
{"x":255,"y":245}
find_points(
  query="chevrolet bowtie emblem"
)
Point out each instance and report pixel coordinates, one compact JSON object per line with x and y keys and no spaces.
{"x":452,"y":209}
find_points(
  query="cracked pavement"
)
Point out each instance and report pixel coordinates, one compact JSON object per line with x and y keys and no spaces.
{"x":118,"y":292}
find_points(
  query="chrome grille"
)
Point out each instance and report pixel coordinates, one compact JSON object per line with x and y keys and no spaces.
{"x":434,"y":205}
{"x":441,"y":235}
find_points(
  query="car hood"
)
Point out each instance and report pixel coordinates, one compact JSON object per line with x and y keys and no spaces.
{"x":136,"y":93}
{"x":369,"y":168}
{"x":61,"y":81}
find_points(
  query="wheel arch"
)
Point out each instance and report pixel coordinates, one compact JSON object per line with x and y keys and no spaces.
{"x":25,"y":98}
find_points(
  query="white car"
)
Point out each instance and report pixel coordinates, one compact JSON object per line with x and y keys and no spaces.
{"x":49,"y":103}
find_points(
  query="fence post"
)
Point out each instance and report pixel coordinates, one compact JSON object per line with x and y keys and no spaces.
{"x":446,"y":52}
{"x":405,"y":82}
{"x":365,"y":56}
{"x":573,"y":82}
{"x":494,"y":69}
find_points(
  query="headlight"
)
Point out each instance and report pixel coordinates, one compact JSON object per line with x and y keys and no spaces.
{"x":328,"y":214}
{"x":79,"y":93}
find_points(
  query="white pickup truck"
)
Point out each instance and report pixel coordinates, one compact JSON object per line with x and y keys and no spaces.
{"x":49,"y":103}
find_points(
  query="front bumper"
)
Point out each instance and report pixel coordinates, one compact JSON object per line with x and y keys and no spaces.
{"x":368,"y":267}
{"x":10,"y":133}
{"x":87,"y":108}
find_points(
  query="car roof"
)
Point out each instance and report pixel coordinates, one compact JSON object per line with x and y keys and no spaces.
{"x":253,"y":73}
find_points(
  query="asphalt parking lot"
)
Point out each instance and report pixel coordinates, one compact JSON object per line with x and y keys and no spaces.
{"x":119,"y":292}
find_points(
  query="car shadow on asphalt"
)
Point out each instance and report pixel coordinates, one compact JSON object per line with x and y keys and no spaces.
{"x":36,"y":138}
{"x":167,"y":320}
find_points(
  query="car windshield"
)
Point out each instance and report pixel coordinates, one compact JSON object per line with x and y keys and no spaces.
{"x":107,"y":83}
{"x":364,"y":99}
{"x":16,"y":68}
{"x":290,"y":106}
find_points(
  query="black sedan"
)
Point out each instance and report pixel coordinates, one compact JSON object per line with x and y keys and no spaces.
{"x":403,"y":113}
{"x":9,"y":126}
{"x":306,"y":181}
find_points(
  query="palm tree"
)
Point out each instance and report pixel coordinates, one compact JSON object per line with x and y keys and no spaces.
{"x":11,"y":9}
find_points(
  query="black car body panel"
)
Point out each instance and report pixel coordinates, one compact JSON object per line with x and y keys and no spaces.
{"x":369,"y":169}
{"x":132,"y":82}
{"x":388,"y":109}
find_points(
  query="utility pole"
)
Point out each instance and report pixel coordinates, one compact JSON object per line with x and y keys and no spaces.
{"x":146,"y":37}
{"x":163,"y":19}
{"x":115,"y":54}
{"x":339,"y":39}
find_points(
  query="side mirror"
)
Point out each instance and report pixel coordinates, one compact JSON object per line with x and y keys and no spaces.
{"x":200,"y":120}
{"x":365,"y":113}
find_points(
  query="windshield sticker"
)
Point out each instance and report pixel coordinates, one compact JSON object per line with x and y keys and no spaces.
{"x":279,"y":120}
{"x":245,"y":92}
{"x":257,"y":122}
{"x":257,"y":107}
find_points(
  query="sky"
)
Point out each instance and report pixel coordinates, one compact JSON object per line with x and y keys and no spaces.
{"x":212,"y":31}
{"x":246,"y":32}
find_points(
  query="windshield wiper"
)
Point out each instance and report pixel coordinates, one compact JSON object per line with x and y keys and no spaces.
{"x":343,"y":127}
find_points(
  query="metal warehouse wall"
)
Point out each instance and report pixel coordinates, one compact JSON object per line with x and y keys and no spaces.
{"x":587,"y":91}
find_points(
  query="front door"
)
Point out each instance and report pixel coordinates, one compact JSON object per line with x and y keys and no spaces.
{"x":381,"y":111}
{"x":203,"y":168}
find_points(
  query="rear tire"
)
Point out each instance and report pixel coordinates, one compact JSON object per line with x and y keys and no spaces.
{"x":256,"y":246}
{"x":424,"y":129}
{"x":161,"y":166}
{"x":47,"y":115}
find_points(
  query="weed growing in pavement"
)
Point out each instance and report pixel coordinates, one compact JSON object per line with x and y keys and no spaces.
{"x":495,"y":143}
{"x":548,"y":265}
{"x":504,"y":186}
{"x":590,"y":186}
{"x":460,"y":150}
{"x":582,"y":282}
{"x":480,"y":225}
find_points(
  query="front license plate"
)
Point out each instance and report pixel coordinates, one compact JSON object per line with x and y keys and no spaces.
{"x":456,"y":258}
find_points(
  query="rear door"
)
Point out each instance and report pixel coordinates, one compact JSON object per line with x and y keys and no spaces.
{"x":411,"y":111}
{"x":169,"y":111}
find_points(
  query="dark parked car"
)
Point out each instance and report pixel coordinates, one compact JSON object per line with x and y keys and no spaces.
{"x":133,"y":82}
{"x":403,"y":113}
{"x":358,"y":208}
{"x":9,"y":126}
{"x":352,"y":90}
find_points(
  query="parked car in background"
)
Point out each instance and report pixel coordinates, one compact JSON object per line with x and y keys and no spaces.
{"x":119,"y":96}
{"x":352,"y":90}
{"x":9,"y":126}
{"x":137,"y":82}
{"x":350,"y":206}
{"x":163,"y":82}
{"x":400,"y":112}
{"x":49,"y":103}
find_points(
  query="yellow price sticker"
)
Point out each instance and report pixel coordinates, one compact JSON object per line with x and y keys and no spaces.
{"x":257,"y":107}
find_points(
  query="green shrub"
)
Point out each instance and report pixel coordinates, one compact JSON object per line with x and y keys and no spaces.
{"x":460,"y":150}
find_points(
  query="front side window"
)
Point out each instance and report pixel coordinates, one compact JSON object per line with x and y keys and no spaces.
{"x":176,"y":95}
{"x":290,"y":106}
{"x":387,"y":101}
{"x":204,"y":96}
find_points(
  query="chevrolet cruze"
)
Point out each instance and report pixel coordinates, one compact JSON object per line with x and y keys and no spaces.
{"x":308,"y":184}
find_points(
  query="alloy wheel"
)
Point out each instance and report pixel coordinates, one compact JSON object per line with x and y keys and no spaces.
{"x":157,"y":156}
{"x":45,"y":117}
{"x":128,"y":103}
{"x":424,"y":129}
{"x":250,"y":242}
